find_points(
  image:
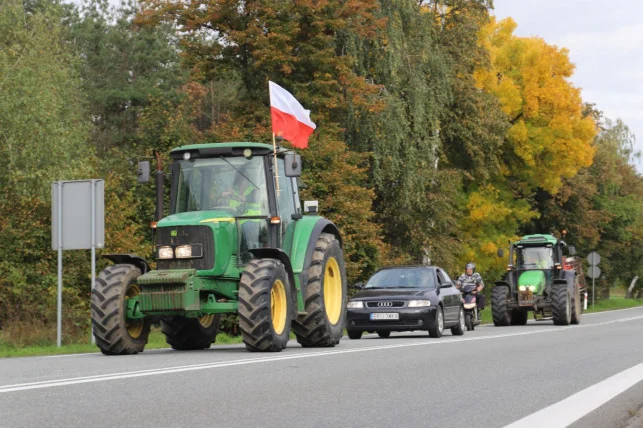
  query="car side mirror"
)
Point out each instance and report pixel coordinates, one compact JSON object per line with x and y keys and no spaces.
{"x":292,"y":165}
{"x":571,"y":250}
{"x":358,"y":285}
{"x":501,"y":252}
{"x":446,"y":285}
{"x":143,"y":172}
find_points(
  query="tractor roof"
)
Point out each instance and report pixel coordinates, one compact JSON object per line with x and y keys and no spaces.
{"x":537,"y":240}
{"x":224,"y":149}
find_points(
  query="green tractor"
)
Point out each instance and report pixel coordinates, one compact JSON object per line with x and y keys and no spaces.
{"x":542,"y":279}
{"x":235,"y":241}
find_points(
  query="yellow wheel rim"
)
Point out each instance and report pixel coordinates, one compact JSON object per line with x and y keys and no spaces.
{"x":332,"y":291}
{"x":278,"y":306}
{"x":206,"y":320}
{"x":134,"y":327}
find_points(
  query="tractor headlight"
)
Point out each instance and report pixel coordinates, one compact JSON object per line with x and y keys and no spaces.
{"x":165,"y":253}
{"x":522,"y":288}
{"x":531,"y":287}
{"x":355,"y":304}
{"x":188,"y":251}
{"x":419,"y":303}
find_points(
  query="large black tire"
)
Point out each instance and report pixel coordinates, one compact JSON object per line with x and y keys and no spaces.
{"x":185,"y":334}
{"x":519,"y":317}
{"x":499,"y":306}
{"x":576,"y":306}
{"x":115,"y":334}
{"x":324,"y":296}
{"x":354,"y":334}
{"x":561,"y":305}
{"x":265,"y":300}
{"x":383,"y":334}
{"x":436,"y":325}
{"x":459,"y":328}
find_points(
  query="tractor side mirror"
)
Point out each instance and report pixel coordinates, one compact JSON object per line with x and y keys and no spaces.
{"x":311,"y":207}
{"x":501,"y":252}
{"x":292,"y":165}
{"x":571,"y":250}
{"x":143,"y":172}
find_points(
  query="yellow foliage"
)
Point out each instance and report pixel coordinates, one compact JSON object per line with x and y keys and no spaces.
{"x":549,"y":135}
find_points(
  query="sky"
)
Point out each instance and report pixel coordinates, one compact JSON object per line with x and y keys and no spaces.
{"x":605,"y":42}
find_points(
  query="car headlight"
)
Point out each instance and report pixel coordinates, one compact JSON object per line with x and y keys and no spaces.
{"x":165,"y":253}
{"x":419,"y":303}
{"x":355,"y":304}
{"x":188,"y":251}
{"x":522,"y":288}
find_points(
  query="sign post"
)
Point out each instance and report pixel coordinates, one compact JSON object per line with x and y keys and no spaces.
{"x":77,"y":223}
{"x":594,"y":271}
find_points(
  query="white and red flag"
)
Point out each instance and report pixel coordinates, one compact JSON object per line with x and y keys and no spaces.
{"x":289,"y":119}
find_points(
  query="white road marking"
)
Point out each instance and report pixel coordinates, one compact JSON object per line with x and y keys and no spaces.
{"x":259,"y":360}
{"x":576,"y":406}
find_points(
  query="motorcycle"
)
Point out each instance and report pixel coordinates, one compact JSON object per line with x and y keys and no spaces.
{"x":471,"y":319}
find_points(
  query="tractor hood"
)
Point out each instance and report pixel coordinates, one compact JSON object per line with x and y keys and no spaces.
{"x":196,"y":218}
{"x":534,"y":278}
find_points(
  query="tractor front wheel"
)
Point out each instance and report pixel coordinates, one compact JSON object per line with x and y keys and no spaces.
{"x":185,"y":334}
{"x":561,"y":306}
{"x":115,"y":333}
{"x":324,"y":296}
{"x":499,"y":306}
{"x":265,"y":300}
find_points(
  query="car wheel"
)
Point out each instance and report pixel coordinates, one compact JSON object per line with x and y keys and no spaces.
{"x":383,"y":334}
{"x":354,"y":334}
{"x":458,"y":330}
{"x":436,"y":326}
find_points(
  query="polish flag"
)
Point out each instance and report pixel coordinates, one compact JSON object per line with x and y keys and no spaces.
{"x":289,"y":119}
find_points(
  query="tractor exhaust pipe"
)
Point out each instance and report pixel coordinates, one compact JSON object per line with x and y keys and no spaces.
{"x":160,"y":183}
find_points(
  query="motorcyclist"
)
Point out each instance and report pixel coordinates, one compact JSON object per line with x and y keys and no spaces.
{"x":470,"y":276}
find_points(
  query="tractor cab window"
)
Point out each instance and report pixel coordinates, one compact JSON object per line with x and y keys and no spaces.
{"x":232,"y":185}
{"x":535,"y":258}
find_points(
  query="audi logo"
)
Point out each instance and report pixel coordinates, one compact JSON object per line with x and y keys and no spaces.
{"x":384,"y":304}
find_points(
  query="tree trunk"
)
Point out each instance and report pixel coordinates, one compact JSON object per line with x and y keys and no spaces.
{"x":628,"y":295}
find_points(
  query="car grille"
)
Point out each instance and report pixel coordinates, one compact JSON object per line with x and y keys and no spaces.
{"x":384,"y":304}
{"x":187,"y":235}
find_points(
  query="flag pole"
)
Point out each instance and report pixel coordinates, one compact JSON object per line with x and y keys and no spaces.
{"x":274,"y":148}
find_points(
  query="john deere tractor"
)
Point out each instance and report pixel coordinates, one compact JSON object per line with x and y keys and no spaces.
{"x":540,"y":278}
{"x":235,"y":240}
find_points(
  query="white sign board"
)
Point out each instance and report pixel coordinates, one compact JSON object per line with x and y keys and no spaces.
{"x":73,"y":200}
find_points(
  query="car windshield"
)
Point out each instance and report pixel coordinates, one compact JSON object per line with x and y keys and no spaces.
{"x":402,"y":278}
{"x":535,"y":258}
{"x":235,"y":184}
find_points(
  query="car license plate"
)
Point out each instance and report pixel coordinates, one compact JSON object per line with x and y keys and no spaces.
{"x":385,"y":316}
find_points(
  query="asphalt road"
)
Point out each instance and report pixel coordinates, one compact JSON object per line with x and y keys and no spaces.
{"x":535,"y":375}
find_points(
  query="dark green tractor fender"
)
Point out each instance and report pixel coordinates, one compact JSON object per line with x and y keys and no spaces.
{"x":131,"y":259}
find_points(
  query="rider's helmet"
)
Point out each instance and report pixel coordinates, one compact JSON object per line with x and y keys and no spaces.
{"x":471,"y":266}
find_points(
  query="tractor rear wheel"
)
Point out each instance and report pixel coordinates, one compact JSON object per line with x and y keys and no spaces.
{"x":265,"y":305}
{"x":561,"y":305}
{"x":324,"y":296}
{"x":185,"y":334}
{"x":499,"y":306}
{"x":115,"y":333}
{"x":519,"y":317}
{"x":576,"y":307}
